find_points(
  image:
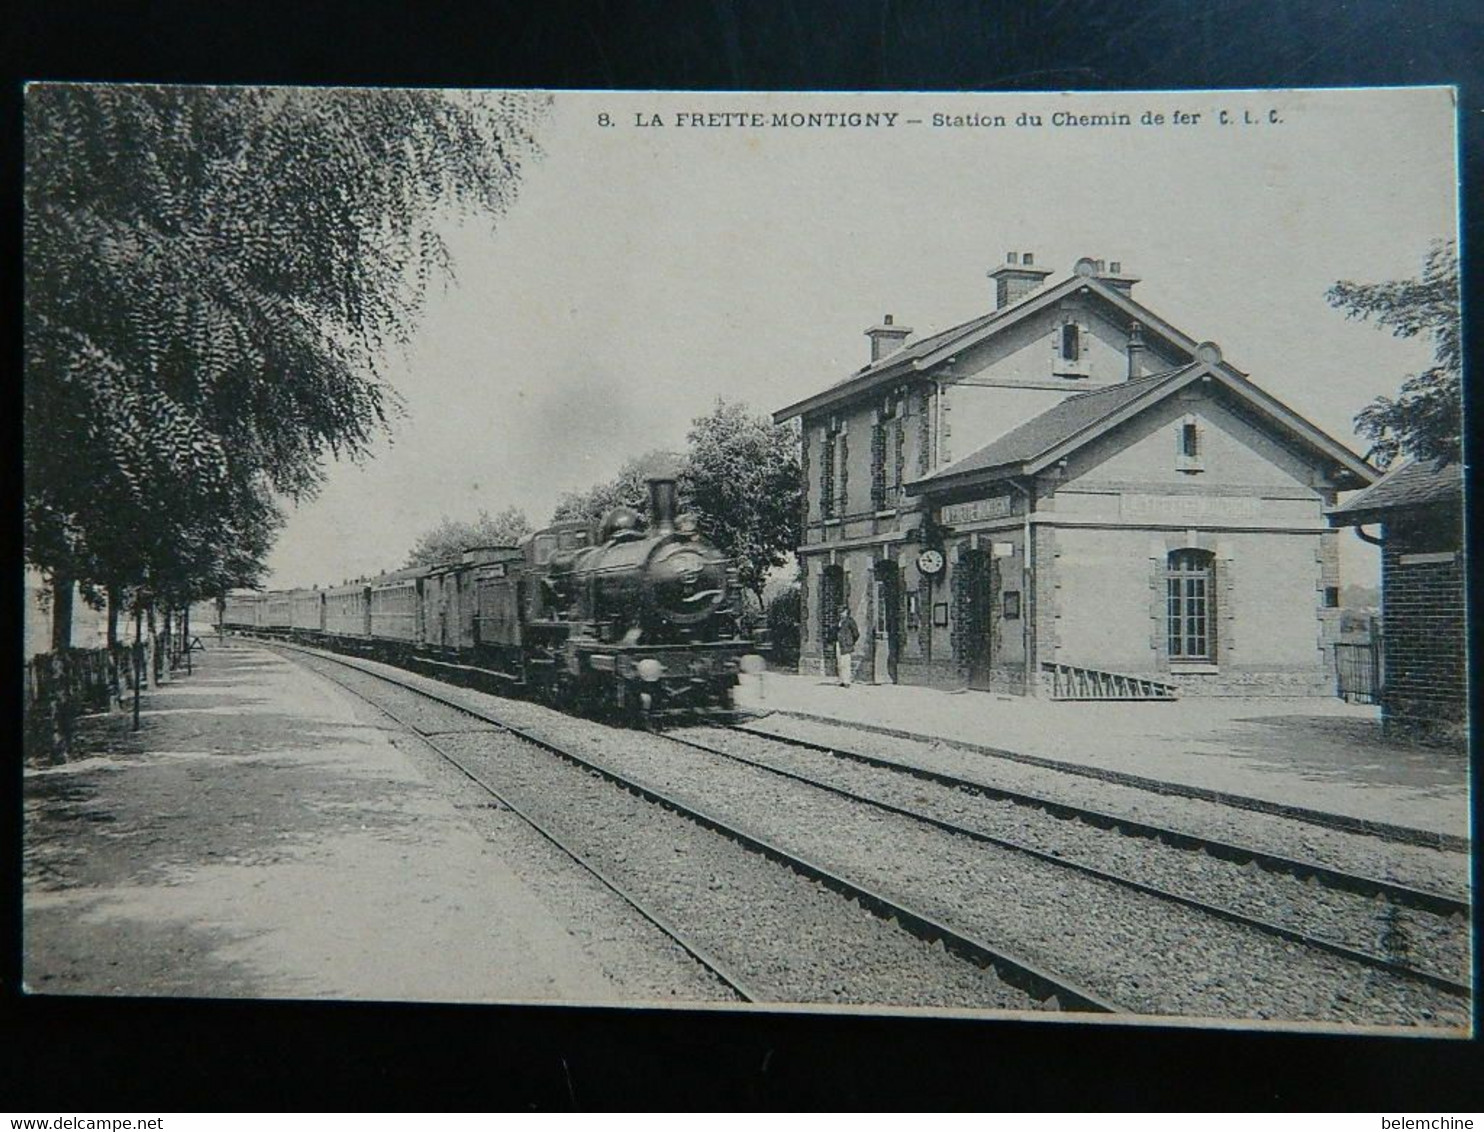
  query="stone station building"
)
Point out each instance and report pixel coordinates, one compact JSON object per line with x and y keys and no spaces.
{"x":1069,"y":496}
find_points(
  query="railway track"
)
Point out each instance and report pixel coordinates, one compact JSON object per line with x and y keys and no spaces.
{"x":1039,"y":986}
{"x":1365,"y":887}
{"x":1401,"y":834}
{"x":1014,"y":967}
{"x":1404,"y":895}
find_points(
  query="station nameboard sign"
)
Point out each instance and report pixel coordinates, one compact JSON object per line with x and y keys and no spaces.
{"x":976,"y":510}
{"x":1189,"y":507}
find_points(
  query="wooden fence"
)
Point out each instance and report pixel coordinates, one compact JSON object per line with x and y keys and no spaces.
{"x":62,"y":686}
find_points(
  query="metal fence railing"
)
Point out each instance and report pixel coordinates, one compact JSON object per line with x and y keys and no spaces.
{"x":1358,"y":670}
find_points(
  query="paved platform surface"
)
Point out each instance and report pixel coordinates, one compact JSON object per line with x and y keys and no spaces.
{"x":262,"y":836}
{"x":1321,"y":754}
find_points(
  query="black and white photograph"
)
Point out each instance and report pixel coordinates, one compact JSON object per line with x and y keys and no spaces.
{"x":985,"y":556}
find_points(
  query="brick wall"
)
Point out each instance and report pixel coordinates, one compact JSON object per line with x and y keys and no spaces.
{"x":1425,"y":680}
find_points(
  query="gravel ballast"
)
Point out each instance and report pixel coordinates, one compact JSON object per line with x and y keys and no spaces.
{"x":1430,"y":942}
{"x":1438,"y":870}
{"x":781,"y":933}
{"x":1138,"y":950}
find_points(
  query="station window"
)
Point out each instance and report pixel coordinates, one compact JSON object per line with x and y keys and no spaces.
{"x":1071,"y":344}
{"x":1191,"y":608}
{"x":1189,"y":456}
{"x":1331,"y":597}
{"x":1190,"y":439}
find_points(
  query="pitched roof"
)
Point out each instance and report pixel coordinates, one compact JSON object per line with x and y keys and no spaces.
{"x":1065,"y":427}
{"x":1055,"y":426}
{"x":924,"y":353}
{"x":1417,"y":483}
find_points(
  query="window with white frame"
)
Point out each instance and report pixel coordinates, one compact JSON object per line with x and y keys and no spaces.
{"x":1191,"y":576}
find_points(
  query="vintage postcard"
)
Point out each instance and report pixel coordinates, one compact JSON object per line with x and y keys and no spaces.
{"x":994,"y":555}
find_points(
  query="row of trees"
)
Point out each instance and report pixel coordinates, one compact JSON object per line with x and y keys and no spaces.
{"x":739,"y":476}
{"x":213,"y":280}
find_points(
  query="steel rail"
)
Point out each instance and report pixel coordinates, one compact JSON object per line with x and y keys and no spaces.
{"x":1421,"y":899}
{"x":1384,"y":831}
{"x":1039,"y":984}
{"x":1232,"y":915}
{"x":680,"y":937}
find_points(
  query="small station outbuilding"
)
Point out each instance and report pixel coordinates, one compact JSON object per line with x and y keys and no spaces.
{"x":1069,"y":496}
{"x":1424,"y":625}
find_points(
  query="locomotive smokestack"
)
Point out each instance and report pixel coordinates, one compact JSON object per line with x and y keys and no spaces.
{"x":662,"y":504}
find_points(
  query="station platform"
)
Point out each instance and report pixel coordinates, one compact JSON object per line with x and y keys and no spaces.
{"x":1315,"y":754}
{"x":262,"y":836}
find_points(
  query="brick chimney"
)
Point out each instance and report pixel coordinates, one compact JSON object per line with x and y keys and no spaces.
{"x":1016,"y":278}
{"x":1110,"y":273}
{"x":886,"y":338}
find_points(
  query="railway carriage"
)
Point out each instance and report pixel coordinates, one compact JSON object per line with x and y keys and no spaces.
{"x":242,"y":613}
{"x":277,"y":615}
{"x":396,"y":608}
{"x":306,"y":614}
{"x":348,"y":613}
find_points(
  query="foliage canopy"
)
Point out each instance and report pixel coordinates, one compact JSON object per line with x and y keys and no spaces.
{"x":1425,"y":419}
{"x":213,"y":280}
{"x":739,"y":475}
{"x":451,"y":537}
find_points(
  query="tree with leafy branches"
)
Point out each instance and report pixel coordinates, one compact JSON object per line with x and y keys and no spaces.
{"x":447,"y":541}
{"x":214,"y":278}
{"x":743,"y":480}
{"x":1425,"y":419}
{"x":630,"y":488}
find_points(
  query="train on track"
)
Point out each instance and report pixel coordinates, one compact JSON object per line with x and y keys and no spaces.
{"x":643,"y":619}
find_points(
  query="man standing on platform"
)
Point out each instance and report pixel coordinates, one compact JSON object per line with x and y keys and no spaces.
{"x":845,"y":637}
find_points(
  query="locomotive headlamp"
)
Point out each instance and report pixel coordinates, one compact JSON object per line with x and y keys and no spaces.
{"x":752,"y":663}
{"x":685,"y":524}
{"x":649,"y":669}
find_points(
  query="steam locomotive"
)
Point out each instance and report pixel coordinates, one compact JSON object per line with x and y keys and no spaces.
{"x":641,"y":619}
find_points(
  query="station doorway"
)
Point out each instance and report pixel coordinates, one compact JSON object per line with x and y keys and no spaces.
{"x":886,"y":622}
{"x":978,"y":584}
{"x":832,"y":595}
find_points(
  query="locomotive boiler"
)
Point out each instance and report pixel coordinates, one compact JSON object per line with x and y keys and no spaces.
{"x":664,"y":585}
{"x":649,"y":613}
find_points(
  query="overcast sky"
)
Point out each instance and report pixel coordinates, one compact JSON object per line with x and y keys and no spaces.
{"x":645,"y":272}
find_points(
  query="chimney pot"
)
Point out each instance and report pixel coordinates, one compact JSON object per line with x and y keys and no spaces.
{"x":1013,"y":281}
{"x":1135,"y":351}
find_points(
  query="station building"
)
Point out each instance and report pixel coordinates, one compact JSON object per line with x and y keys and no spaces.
{"x":1068,"y":496}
